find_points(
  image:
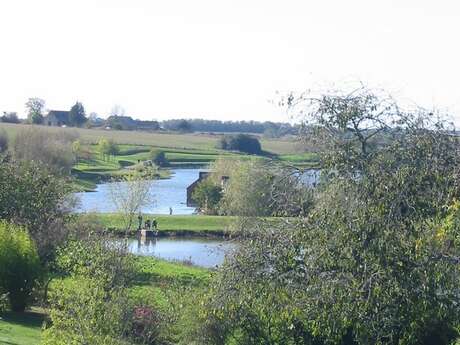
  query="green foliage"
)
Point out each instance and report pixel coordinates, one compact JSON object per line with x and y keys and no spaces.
{"x":158,"y":157}
{"x":3,"y":141}
{"x":77,"y":116}
{"x":10,"y":117}
{"x":84,"y":313}
{"x":19,"y":265}
{"x":107,"y":148}
{"x":207,"y":195}
{"x":184,"y":126}
{"x":247,"y":192}
{"x":77,"y":149}
{"x":376,"y":261}
{"x":240,"y":142}
{"x":30,"y":195}
{"x":91,"y":305}
{"x":35,"y":108}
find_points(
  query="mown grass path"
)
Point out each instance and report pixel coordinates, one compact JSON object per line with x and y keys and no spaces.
{"x":21,"y":328}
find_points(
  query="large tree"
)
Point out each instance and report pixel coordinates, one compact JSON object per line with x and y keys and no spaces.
{"x":77,"y":115}
{"x":376,"y":261}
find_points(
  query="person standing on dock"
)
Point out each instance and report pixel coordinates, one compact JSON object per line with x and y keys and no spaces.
{"x":139,"y":218}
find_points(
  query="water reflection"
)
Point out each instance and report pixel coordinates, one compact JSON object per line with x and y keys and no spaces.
{"x":198,"y":251}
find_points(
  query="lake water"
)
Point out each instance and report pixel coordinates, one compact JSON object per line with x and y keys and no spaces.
{"x":166,"y":193}
{"x":199,"y":251}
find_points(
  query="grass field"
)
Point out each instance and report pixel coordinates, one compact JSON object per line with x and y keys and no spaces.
{"x":181,"y":150}
{"x":20,"y":328}
{"x":194,"y":141}
{"x":198,"y":225}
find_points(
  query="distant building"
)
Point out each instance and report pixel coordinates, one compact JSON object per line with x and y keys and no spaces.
{"x":57,"y":118}
{"x":128,"y":123}
{"x":191,"y":188}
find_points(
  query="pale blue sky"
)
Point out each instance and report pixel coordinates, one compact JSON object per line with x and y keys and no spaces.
{"x":223,"y":59}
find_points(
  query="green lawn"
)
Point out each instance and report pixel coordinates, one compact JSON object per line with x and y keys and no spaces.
{"x":20,"y":328}
{"x":186,"y":224}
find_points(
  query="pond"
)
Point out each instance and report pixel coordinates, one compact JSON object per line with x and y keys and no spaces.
{"x":202,"y":252}
{"x":166,"y":193}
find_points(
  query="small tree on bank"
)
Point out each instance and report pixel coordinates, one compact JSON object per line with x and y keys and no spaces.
{"x":129,"y":197}
{"x":107,"y":148}
{"x":158,"y":157}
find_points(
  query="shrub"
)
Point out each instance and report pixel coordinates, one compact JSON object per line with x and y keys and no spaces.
{"x":159,"y":158}
{"x":10,"y":117}
{"x":19,"y":265}
{"x":240,"y":142}
{"x":207,"y":195}
{"x":3,"y":141}
{"x":107,"y":148}
{"x":92,"y":304}
{"x":30,"y":195}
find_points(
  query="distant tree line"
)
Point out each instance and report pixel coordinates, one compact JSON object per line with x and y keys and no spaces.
{"x":274,"y":129}
{"x":120,"y":121}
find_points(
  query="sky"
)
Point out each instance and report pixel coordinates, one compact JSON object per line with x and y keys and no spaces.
{"x":224,"y":59}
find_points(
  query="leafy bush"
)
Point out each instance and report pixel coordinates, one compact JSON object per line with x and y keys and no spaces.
{"x":107,"y":148}
{"x":30,"y":195}
{"x":240,"y":142}
{"x":159,"y":158}
{"x":92,"y":304}
{"x":10,"y":117}
{"x":207,"y":195}
{"x":3,"y":141}
{"x":19,"y":265}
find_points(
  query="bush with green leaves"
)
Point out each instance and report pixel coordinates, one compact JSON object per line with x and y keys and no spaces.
{"x":90,"y":305}
{"x":3,"y":141}
{"x":158,"y":157}
{"x":207,"y":195}
{"x":19,"y":265}
{"x":91,"y":302}
{"x":240,"y":142}
{"x":32,"y":196}
{"x":107,"y":148}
